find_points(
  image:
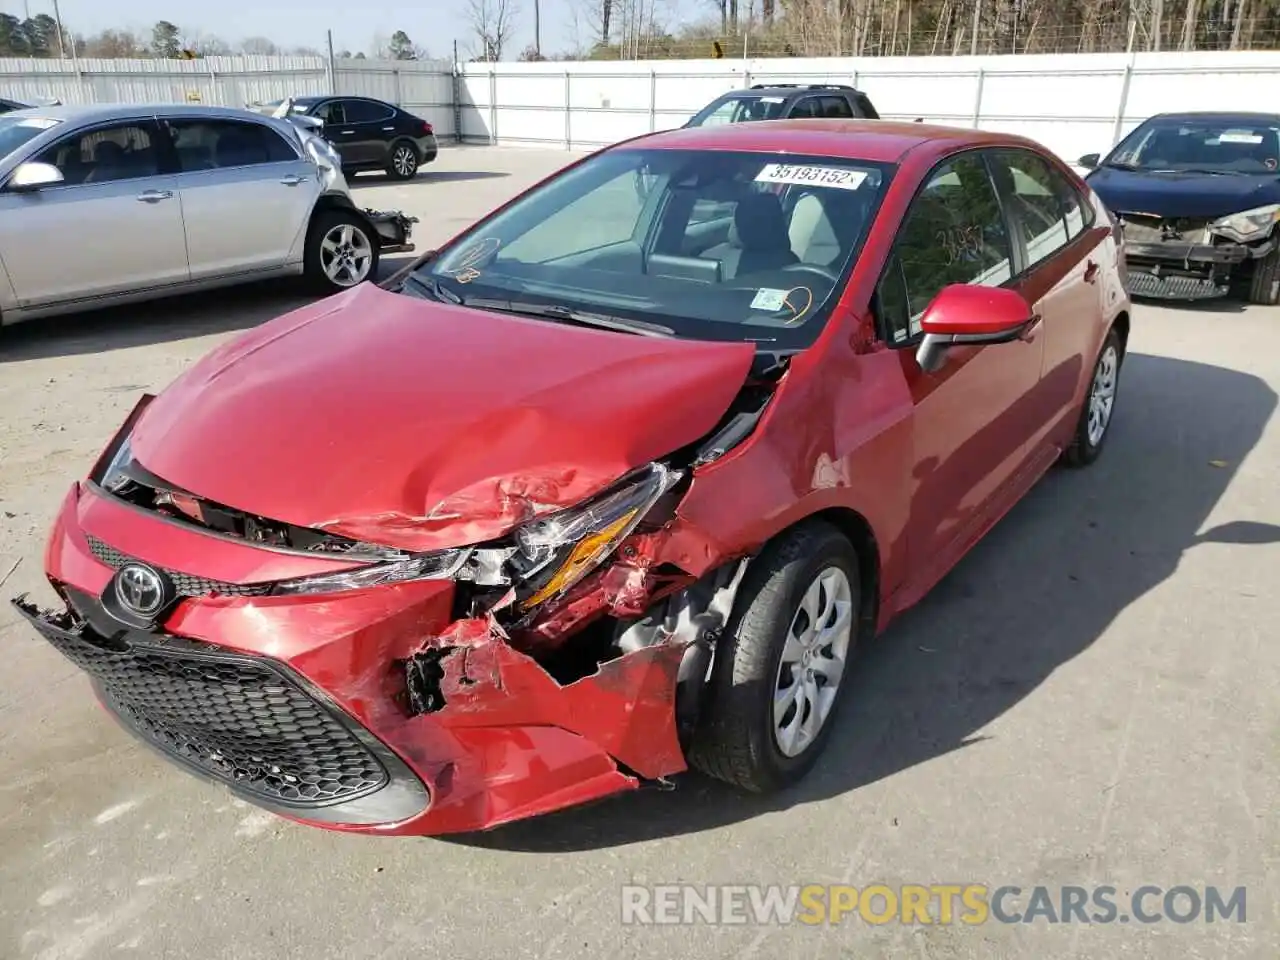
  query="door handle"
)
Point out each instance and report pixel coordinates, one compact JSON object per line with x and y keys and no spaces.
{"x":389,"y":129}
{"x":155,"y":196}
{"x":347,"y":131}
{"x":1090,"y":272}
{"x":292,"y":180}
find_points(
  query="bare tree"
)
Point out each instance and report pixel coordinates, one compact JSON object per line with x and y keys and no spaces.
{"x":494,"y":23}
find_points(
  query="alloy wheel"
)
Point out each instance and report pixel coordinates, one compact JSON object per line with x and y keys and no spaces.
{"x":404,"y":162}
{"x":346,"y":255}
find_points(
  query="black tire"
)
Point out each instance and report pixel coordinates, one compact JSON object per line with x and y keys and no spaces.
{"x":735,"y":741}
{"x":403,"y":161}
{"x":317,"y":258}
{"x":1083,"y":451}
{"x":1264,"y":288}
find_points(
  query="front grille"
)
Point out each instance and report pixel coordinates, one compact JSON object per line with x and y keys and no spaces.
{"x":235,"y":718}
{"x":186,"y":584}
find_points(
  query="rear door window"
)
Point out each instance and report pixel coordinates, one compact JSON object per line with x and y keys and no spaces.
{"x":835,"y":108}
{"x":366,"y":111}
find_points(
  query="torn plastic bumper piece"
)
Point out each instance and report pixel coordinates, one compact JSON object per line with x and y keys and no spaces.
{"x":394,"y":229}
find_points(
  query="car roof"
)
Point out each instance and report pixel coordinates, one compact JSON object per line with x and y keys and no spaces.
{"x":91,"y":113}
{"x":884,"y":141}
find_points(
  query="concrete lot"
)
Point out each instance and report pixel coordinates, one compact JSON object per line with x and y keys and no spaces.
{"x":1093,"y":697}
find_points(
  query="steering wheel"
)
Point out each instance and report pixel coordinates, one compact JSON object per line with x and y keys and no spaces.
{"x":814,"y":269}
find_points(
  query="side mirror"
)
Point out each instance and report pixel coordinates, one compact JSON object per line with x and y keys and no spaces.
{"x":1089,"y":161}
{"x":965,"y":314}
{"x":32,"y":176}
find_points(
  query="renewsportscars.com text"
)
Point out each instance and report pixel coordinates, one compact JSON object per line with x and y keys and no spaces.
{"x":968,"y":904}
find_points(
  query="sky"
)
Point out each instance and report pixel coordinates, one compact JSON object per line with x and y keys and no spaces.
{"x":433,"y":24}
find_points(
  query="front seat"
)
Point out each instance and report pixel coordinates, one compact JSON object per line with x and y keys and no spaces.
{"x":813,"y":238}
{"x":758,"y":240}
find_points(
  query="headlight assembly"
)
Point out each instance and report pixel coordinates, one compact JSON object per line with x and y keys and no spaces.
{"x":1248,"y":225}
{"x":441,"y":565}
{"x":556,"y":552}
{"x":543,"y":559}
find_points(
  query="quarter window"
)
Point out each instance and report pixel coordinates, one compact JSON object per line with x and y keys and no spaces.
{"x":953,"y":232}
{"x":212,"y":144}
{"x":122,"y":152}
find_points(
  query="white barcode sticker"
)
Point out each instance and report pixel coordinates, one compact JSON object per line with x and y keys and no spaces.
{"x":1233,"y":136}
{"x":769,"y":300}
{"x":836,"y":177}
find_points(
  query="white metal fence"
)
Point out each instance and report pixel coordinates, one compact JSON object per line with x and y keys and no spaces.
{"x":1074,"y":104}
{"x":424,"y":87}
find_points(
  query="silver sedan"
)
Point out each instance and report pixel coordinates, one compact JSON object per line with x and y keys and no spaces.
{"x":111,"y":204}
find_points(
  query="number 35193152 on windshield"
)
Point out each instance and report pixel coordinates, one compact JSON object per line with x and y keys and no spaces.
{"x":815,"y":176}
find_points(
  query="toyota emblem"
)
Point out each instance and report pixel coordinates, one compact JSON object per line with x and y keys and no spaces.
{"x":140,"y":590}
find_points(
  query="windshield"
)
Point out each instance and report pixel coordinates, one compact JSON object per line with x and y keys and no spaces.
{"x":16,"y":130}
{"x":1212,"y":145}
{"x":740,"y":110}
{"x":713,"y":245}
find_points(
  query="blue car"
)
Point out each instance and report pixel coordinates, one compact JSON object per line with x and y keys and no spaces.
{"x":1198,"y":197}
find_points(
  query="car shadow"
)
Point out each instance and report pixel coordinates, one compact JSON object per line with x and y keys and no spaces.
{"x":165,"y":320}
{"x":1037,"y":592}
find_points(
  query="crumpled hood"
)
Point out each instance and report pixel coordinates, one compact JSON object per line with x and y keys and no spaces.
{"x":1183,"y":194}
{"x":422,"y":425}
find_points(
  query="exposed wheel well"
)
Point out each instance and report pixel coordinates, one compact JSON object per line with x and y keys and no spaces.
{"x":858,"y":532}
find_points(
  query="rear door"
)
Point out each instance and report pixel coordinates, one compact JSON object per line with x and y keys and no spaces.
{"x":973,"y":427}
{"x":368,"y":129}
{"x":246,"y":191}
{"x":1062,"y":275}
{"x":114,"y":225}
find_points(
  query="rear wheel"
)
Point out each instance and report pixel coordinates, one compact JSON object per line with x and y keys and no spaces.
{"x":403,"y":162}
{"x":1264,"y":288}
{"x":342,"y":251}
{"x":1099,"y":405}
{"x":778,"y":671}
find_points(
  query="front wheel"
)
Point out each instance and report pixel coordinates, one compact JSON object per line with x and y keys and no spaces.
{"x":1264,"y":286}
{"x":777,"y":676}
{"x":1099,"y":405}
{"x":342,"y":251}
{"x":403,"y":163}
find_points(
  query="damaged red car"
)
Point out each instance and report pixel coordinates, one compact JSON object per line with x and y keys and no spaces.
{"x":612,"y":484}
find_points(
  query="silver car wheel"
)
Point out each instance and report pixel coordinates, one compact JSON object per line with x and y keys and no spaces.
{"x":813,"y":661}
{"x":346,"y":255}
{"x":404,"y":161}
{"x":1102,"y":395}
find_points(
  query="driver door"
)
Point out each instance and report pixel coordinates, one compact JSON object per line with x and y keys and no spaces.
{"x":113,"y":226}
{"x":975,"y":419}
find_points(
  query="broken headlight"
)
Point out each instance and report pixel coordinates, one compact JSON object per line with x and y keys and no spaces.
{"x":441,"y":565}
{"x":554,"y":553}
{"x":1248,"y":225}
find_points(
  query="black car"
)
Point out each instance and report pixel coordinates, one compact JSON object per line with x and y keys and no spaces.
{"x":8,"y":106}
{"x":1198,"y":198}
{"x":787,"y":101}
{"x":371,"y":134}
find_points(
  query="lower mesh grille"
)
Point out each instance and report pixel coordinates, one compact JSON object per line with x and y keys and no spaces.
{"x":1174,"y":288}
{"x":186,"y":584}
{"x":238,"y":719}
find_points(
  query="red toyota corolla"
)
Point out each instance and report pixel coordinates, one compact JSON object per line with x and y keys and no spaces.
{"x":612,"y":483}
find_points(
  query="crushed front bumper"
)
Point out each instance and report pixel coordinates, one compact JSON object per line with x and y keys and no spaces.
{"x":300,"y":704}
{"x":1184,"y":270}
{"x":394,"y":229}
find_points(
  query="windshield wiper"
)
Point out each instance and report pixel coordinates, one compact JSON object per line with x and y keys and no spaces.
{"x":1121,"y":165}
{"x":1215,"y":173}
{"x":564,"y":314}
{"x":431,"y":287}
